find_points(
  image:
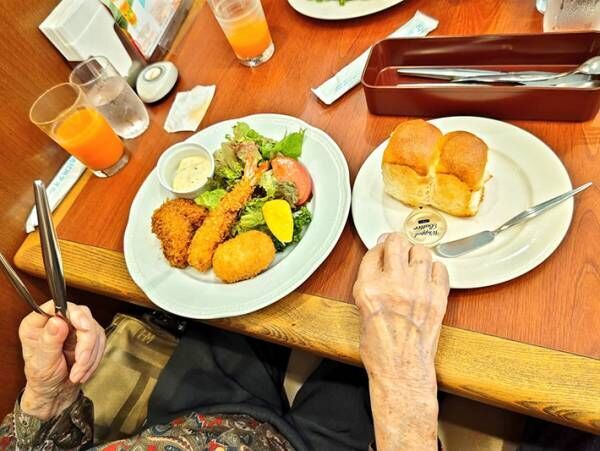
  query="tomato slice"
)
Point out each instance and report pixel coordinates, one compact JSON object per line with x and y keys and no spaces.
{"x":290,"y":170}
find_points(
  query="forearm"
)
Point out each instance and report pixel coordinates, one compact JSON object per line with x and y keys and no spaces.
{"x":399,"y":359}
{"x":405,"y":415}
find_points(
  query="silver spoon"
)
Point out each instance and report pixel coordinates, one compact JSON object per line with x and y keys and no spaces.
{"x":590,"y":67}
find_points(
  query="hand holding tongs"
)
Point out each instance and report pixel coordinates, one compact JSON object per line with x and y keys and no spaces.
{"x":52,"y":261}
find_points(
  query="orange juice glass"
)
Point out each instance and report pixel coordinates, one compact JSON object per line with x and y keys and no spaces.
{"x":246,"y":28}
{"x":65,"y":115}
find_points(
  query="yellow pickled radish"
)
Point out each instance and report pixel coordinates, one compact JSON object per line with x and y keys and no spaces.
{"x":279,"y":219}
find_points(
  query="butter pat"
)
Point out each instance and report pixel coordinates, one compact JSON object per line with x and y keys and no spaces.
{"x":192,"y":173}
{"x":425,"y":226}
{"x":189,"y":109}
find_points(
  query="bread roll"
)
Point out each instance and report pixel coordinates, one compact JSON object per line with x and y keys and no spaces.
{"x":460,"y":174}
{"x":407,"y":161}
{"x":423,"y":167}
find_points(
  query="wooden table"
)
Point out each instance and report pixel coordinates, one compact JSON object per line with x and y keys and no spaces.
{"x":530,"y":345}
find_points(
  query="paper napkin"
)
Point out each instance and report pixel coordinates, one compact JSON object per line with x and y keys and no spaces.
{"x":349,"y":76}
{"x":189,"y":109}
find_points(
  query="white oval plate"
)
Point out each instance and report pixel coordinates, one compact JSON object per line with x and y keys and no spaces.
{"x":192,"y":294}
{"x":525,"y":172}
{"x":332,"y":10}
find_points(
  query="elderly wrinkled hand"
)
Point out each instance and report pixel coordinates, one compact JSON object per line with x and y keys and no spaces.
{"x":53,"y":373}
{"x":402,"y":296}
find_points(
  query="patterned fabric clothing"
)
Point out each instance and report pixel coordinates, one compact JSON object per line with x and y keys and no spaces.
{"x":72,"y":430}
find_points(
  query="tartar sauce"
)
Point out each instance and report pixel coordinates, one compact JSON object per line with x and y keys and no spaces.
{"x":192,"y":173}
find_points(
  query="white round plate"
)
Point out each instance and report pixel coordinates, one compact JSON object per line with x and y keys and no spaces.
{"x":332,"y":10}
{"x":192,"y":294}
{"x":525,"y":172}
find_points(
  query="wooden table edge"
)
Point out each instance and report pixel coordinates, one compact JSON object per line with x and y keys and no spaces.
{"x":552,"y":385}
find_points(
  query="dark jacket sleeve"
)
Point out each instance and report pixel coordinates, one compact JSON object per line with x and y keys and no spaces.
{"x":71,"y":430}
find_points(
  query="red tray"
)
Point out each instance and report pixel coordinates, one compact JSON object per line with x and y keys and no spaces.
{"x":389,"y":93}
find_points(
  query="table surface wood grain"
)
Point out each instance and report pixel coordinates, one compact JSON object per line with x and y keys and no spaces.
{"x":555,"y":306}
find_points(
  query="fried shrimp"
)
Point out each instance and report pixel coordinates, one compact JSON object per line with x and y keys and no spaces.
{"x":243,"y":257}
{"x":174,"y":223}
{"x":219,"y":221}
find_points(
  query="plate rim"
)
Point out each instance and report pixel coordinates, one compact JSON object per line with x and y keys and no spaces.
{"x":496,"y":279}
{"x":296,"y":6}
{"x":346,"y":196}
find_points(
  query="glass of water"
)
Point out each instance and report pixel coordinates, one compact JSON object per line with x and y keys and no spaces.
{"x":572,"y":15}
{"x":110,"y":94}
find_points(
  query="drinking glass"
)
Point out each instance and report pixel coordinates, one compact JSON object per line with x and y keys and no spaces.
{"x":572,"y":15}
{"x":246,"y":29}
{"x":541,"y":5}
{"x":64,"y":113}
{"x":112,"y":96}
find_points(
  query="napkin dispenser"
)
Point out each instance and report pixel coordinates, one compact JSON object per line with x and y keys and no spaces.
{"x":83,"y":28}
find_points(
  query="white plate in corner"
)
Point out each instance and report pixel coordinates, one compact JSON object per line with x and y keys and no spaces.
{"x":525,"y":172}
{"x":332,"y":10}
{"x":192,"y":294}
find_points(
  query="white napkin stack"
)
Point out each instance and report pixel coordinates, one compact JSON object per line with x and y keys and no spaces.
{"x":83,"y":28}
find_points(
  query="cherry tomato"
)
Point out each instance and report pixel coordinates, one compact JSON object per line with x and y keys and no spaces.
{"x":290,"y":170}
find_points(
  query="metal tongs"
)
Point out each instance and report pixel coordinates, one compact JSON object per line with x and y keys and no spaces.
{"x":51,"y":255}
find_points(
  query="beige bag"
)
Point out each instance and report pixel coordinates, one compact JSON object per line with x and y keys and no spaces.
{"x":136,"y":352}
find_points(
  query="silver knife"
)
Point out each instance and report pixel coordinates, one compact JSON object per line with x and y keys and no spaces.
{"x":570,"y":81}
{"x":464,"y":245}
{"x":448,"y":73}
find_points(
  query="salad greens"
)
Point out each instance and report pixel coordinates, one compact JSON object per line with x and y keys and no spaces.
{"x":246,"y":144}
{"x":227,"y":165}
{"x":289,"y":146}
{"x":210,"y":199}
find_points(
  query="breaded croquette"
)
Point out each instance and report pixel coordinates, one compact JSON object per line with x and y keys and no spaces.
{"x":243,"y":257}
{"x":174,"y":223}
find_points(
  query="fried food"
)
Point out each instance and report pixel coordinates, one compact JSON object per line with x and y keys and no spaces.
{"x":174,"y":223}
{"x":218,"y":224}
{"x":243,"y":257}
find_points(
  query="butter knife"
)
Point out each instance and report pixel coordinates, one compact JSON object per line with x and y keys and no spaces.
{"x":464,"y":245}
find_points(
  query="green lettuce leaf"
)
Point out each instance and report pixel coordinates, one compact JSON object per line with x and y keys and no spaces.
{"x":252,"y":217}
{"x":240,"y":130}
{"x":210,"y":199}
{"x":269,"y":184}
{"x":243,"y":133}
{"x":275,"y":189}
{"x":227,"y":164}
{"x":290,"y":146}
